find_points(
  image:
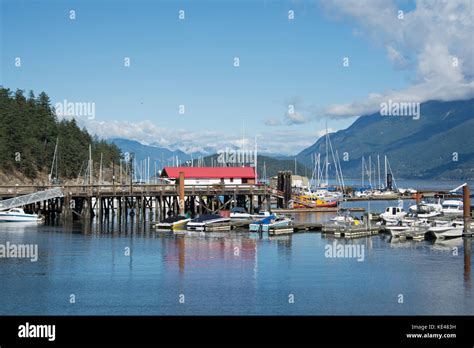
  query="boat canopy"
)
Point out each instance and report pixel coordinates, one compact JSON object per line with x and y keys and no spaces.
{"x":173,"y":219}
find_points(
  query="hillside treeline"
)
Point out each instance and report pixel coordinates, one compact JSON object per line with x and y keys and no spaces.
{"x":29,"y":130}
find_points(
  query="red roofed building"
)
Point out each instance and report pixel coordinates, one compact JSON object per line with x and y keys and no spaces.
{"x":211,"y":175}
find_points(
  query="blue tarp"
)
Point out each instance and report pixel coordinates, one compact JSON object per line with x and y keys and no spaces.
{"x":266,"y":220}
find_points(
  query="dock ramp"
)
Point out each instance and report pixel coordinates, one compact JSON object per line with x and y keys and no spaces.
{"x":31,"y":198}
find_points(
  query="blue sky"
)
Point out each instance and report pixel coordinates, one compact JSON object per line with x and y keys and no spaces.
{"x":190,"y":62}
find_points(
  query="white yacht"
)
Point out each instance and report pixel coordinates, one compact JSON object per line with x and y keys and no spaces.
{"x":452,"y":207}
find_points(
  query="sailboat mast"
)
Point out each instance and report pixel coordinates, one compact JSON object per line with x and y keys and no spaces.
{"x":318,"y":166}
{"x":90,"y":164}
{"x":327,"y":156}
{"x":264,"y":173}
{"x":386,"y":183}
{"x":378,"y":168}
{"x":370,"y":171}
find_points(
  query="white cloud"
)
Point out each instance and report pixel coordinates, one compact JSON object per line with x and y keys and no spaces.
{"x":281,"y":141}
{"x":272,"y":122}
{"x":295,"y":118}
{"x":434,"y":36}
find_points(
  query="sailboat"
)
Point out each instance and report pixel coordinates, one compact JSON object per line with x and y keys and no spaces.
{"x":321,"y":195}
{"x":382,"y":191}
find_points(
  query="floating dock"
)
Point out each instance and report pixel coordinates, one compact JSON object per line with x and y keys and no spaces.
{"x":276,"y":231}
{"x":341,"y":231}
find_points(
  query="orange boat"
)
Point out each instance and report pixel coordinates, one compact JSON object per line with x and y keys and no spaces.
{"x":312,"y":202}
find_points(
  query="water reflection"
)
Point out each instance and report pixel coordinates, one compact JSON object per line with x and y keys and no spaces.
{"x":234,"y":273}
{"x":189,"y":252}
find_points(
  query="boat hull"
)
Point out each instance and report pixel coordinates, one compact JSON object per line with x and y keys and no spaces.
{"x":223,"y":223}
{"x":446,"y":232}
{"x":173,"y":225}
{"x":18,"y":218}
{"x":267,"y":227}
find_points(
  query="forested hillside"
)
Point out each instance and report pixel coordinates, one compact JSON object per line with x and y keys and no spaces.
{"x":29,"y":130}
{"x":438,"y":145}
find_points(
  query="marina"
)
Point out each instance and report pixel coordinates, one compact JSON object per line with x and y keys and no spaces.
{"x":226,"y":166}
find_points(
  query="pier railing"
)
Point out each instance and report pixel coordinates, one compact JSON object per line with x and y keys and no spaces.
{"x":138,"y":189}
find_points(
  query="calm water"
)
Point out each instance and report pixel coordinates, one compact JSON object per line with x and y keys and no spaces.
{"x":237,"y":273}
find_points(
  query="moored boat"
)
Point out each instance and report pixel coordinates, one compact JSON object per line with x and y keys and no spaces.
{"x":206,"y":222}
{"x":393,"y":214}
{"x":271,"y":221}
{"x":172,"y":223}
{"x":239,"y":213}
{"x":442,"y":232}
{"x":18,"y":215}
{"x":452,"y":207}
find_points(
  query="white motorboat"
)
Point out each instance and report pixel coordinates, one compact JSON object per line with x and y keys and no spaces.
{"x":408,"y":227}
{"x":395,"y":231}
{"x":426,"y":210}
{"x":442,"y":232}
{"x":344,"y":217}
{"x":452,"y":207}
{"x":205,"y":222}
{"x":18,"y":215}
{"x":269,"y":222}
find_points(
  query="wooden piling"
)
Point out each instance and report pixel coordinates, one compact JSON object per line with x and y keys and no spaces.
{"x":467,"y":211}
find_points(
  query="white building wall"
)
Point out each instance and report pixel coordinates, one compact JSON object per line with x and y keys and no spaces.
{"x":211,"y":181}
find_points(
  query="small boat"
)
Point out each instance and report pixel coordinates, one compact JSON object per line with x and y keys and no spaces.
{"x":173,"y":223}
{"x":452,"y":207}
{"x":18,"y":215}
{"x":442,"y":232}
{"x":408,"y":227}
{"x":208,"y":222}
{"x":305,"y":201}
{"x":426,"y":210}
{"x":269,"y":222}
{"x":393,"y":214}
{"x":395,"y":231}
{"x":344,"y":216}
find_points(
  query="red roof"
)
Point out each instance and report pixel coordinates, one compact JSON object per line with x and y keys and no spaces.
{"x":209,"y":172}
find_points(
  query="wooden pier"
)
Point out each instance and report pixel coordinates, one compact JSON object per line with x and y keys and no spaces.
{"x":140,"y":200}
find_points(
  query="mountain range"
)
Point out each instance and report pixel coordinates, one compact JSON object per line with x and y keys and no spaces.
{"x":436,"y":145}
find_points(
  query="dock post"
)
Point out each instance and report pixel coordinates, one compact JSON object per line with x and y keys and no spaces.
{"x":467,"y":211}
{"x":181,"y":194}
